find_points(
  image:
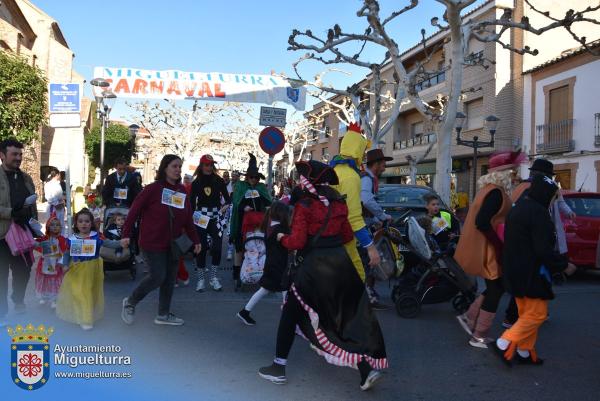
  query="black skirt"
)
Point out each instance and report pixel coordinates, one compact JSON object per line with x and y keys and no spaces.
{"x":339,"y":323}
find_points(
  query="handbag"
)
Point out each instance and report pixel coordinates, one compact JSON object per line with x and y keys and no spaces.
{"x":290,"y":275}
{"x":182,"y":244}
{"x":19,"y":239}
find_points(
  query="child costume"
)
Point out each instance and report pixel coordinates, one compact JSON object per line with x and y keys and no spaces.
{"x":81,"y":296}
{"x":48,"y":270}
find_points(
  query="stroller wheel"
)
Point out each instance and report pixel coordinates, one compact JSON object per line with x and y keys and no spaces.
{"x":408,"y":305}
{"x":460,"y":303}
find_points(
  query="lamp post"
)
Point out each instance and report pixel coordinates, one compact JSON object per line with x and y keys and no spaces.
{"x":133,"y":130}
{"x":490,"y":123}
{"x":104,"y":103}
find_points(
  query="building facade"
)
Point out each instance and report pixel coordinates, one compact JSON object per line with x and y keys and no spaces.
{"x":562,"y":119}
{"x":28,"y":32}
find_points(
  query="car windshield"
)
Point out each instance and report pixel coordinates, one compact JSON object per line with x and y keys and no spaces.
{"x":402,"y":195}
{"x":584,"y":207}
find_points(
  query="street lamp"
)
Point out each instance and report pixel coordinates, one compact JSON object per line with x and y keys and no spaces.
{"x":133,"y":130}
{"x":105,"y":102}
{"x":490,"y":123}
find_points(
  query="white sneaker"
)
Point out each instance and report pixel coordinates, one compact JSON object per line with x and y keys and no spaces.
{"x":185,"y":282}
{"x":200,"y":286}
{"x":479,"y":342}
{"x":42,"y":302}
{"x":86,"y":326}
{"x":215,"y":284}
{"x":53,"y":304}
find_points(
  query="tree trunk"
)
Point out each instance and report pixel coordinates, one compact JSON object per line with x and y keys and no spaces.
{"x":444,"y":140}
{"x":412,"y":165}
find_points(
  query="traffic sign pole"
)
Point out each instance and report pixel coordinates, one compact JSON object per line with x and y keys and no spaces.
{"x":270,"y":176}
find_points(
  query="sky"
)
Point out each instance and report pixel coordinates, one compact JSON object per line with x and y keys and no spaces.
{"x":224,"y":36}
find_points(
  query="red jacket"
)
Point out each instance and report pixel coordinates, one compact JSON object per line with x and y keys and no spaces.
{"x":155,"y":220}
{"x":309,"y":216}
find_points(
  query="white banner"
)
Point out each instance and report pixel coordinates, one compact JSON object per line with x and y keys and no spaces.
{"x":174,"y":84}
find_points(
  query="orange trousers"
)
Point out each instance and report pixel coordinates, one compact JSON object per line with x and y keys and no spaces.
{"x":523,"y":334}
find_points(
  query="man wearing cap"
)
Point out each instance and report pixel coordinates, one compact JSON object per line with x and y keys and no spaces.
{"x":207,"y":190}
{"x":372,"y":212}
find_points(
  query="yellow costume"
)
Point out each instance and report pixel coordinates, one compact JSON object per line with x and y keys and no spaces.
{"x":81,"y":296}
{"x":352,"y":150}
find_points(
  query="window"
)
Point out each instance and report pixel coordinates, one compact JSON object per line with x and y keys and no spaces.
{"x":474,"y":112}
{"x":416,"y":129}
{"x":558,"y":104}
{"x":342,"y":128}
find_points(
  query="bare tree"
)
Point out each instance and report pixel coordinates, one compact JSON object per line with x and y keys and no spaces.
{"x":183,"y":131}
{"x":340,"y":47}
{"x":414,"y":161}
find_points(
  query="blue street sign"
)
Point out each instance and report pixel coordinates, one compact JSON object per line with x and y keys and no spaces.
{"x":271,"y":140}
{"x":64,"y":98}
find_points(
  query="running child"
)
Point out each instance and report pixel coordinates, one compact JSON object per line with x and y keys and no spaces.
{"x":276,"y":221}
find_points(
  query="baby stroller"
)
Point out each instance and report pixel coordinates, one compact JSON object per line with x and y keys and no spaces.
{"x":117,"y":259}
{"x":435,"y":279}
{"x":254,"y":258}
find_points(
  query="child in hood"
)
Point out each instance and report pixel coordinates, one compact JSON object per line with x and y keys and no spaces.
{"x":48,"y":255}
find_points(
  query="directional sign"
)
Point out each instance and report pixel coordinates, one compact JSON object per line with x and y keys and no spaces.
{"x":271,"y":140}
{"x":64,"y":98}
{"x":272,"y":116}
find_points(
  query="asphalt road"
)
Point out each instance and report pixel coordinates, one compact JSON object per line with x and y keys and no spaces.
{"x":215,"y":357}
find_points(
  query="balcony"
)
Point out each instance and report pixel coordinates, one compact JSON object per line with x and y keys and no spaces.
{"x":418,"y":140}
{"x":432,"y":80}
{"x":597,"y":130}
{"x":555,"y":137}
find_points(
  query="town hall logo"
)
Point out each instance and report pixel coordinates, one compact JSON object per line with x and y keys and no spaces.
{"x":30,"y":355}
{"x":293,"y":94}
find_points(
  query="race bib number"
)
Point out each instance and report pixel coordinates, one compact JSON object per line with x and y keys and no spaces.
{"x":252,"y":194}
{"x":49,"y":266}
{"x":120,"y":193}
{"x":83,"y":247}
{"x":201,"y":220}
{"x":173,"y":198}
{"x":48,"y":248}
{"x":439,"y":225}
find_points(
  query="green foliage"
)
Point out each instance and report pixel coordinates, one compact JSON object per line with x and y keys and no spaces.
{"x":117,"y":143}
{"x":23,"y":91}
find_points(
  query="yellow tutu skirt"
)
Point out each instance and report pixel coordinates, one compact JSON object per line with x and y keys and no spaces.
{"x":81,"y":296}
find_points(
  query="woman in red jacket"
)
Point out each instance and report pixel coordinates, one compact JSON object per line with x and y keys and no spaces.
{"x":327,"y":298}
{"x":164,"y":211}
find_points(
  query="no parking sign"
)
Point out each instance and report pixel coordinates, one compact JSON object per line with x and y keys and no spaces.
{"x":271,"y":140}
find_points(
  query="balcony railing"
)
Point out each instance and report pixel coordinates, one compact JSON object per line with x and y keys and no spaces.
{"x":418,"y":140}
{"x":431,"y":81}
{"x":597,"y":129}
{"x":555,"y":137}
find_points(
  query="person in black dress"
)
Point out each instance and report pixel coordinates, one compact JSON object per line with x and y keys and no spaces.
{"x":276,"y":221}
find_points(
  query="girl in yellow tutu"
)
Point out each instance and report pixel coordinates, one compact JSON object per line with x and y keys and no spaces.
{"x":81,"y":295}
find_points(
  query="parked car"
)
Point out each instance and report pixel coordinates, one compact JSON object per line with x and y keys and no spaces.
{"x":583,"y":231}
{"x":398,"y":198}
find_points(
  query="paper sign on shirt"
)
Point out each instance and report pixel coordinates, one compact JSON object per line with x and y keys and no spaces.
{"x":439,"y":225}
{"x":120,"y":193}
{"x":200,"y":219}
{"x":49,"y":248}
{"x":49,"y":265}
{"x":83,"y":247}
{"x":173,"y":198}
{"x":252,"y":194}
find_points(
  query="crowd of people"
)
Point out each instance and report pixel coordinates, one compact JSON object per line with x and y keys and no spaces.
{"x":319,"y":248}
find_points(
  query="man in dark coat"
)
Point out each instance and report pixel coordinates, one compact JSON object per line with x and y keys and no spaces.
{"x":529,"y":262}
{"x":121,"y":187}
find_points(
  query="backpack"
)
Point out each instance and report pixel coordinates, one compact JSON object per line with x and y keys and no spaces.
{"x":254,"y":258}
